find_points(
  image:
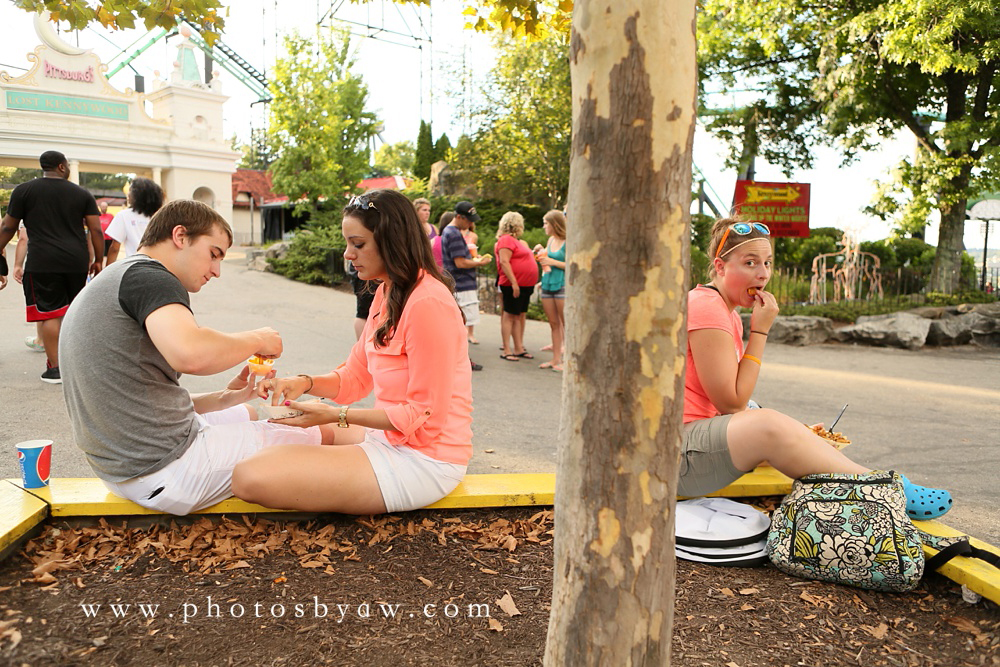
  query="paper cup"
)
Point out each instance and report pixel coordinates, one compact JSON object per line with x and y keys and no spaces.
{"x":35,"y":457}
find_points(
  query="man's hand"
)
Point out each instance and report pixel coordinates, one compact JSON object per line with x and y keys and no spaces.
{"x":18,"y":274}
{"x":96,"y":267}
{"x":270,"y":343}
{"x":3,"y":281}
{"x":242,"y":388}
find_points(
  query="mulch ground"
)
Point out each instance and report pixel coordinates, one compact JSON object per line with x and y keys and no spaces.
{"x":465,"y":588}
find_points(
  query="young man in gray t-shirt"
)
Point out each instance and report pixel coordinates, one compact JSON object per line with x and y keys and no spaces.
{"x":125,"y":342}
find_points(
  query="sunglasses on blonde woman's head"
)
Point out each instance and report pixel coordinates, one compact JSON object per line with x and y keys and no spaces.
{"x":741,"y":228}
{"x":362,"y":202}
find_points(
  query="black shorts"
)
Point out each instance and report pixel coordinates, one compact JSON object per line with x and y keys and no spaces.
{"x":365,"y":293}
{"x":520,"y":304}
{"x":48,"y":295}
{"x":107,"y":246}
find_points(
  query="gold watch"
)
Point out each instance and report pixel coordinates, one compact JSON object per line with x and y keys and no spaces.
{"x":343,"y":416}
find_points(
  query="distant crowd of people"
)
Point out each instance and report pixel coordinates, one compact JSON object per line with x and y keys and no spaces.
{"x":520,"y":269}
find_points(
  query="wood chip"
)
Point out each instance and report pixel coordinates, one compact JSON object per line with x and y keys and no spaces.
{"x":426,"y":582}
{"x":495,"y":625}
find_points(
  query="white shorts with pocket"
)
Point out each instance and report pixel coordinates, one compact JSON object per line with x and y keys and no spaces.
{"x":468,"y":301}
{"x":407,"y":478}
{"x":203,"y":475}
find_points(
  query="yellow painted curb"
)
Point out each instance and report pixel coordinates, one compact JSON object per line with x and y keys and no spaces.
{"x":976,"y":575}
{"x":764,"y":481}
{"x":20,"y":511}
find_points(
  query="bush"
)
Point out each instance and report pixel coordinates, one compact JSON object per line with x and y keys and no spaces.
{"x":536,"y":312}
{"x":315,"y":256}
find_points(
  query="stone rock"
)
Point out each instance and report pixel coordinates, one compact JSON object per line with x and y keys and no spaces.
{"x":441,"y":183}
{"x":800,"y":330}
{"x":892,"y":330}
{"x":986,"y":332}
{"x":988,"y":309}
{"x":934,"y":312}
{"x":260,"y":264}
{"x":956,"y":330}
{"x":277,"y":251}
{"x":253,"y":253}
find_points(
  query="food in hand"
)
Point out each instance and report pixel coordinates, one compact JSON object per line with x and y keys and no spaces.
{"x":260,"y":365}
{"x":277,"y":412}
{"x":487,"y":257}
{"x":752,"y":291}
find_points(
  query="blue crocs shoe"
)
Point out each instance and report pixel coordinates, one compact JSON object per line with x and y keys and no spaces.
{"x":924,"y":503}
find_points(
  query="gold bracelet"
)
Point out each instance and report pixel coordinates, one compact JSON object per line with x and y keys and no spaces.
{"x":308,"y":377}
{"x":752,"y":358}
{"x":342,"y":423}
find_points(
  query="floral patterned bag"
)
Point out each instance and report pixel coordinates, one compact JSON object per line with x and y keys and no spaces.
{"x":848,"y":529}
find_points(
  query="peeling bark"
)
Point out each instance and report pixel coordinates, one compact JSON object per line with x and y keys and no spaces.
{"x":633,"y":68}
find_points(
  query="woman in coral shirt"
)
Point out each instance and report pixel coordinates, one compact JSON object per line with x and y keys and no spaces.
{"x":412,"y":448}
{"x":722,"y":438}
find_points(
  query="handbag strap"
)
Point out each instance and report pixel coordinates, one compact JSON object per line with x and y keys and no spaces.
{"x":949,"y":547}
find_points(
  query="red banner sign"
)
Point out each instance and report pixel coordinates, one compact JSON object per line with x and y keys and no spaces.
{"x":783,"y":207}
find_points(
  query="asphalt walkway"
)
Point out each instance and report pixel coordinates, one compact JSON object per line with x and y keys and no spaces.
{"x":933,"y":414}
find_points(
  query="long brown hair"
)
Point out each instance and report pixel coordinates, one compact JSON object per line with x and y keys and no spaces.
{"x":403,"y":246}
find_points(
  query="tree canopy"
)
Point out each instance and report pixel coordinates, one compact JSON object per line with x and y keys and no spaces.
{"x":853,"y":74}
{"x":124,"y":14}
{"x":320,"y":128}
{"x":522,"y":143}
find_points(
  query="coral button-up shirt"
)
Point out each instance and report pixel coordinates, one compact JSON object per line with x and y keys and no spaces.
{"x":422,"y":377}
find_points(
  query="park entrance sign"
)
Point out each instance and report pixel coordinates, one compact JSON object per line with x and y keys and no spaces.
{"x":783,"y":207}
{"x":172,"y":134}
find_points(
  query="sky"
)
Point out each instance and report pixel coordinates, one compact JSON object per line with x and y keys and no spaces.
{"x":412,"y":72}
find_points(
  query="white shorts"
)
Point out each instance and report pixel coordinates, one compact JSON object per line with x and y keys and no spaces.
{"x":407,"y":478}
{"x":203,"y":475}
{"x":468,"y":301}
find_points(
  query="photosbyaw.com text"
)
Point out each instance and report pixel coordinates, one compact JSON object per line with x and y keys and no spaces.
{"x":311,"y":609}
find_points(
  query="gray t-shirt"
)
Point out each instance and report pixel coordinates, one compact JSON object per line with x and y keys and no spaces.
{"x":129,"y":413}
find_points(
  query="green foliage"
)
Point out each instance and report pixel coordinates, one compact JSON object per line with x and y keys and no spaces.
{"x":854,"y":73}
{"x":313,"y":252}
{"x":442,"y":147}
{"x":319,"y":126}
{"x":701,"y":231}
{"x":536,"y":311}
{"x":258,"y":154}
{"x":395,"y":159}
{"x":520,"y":18}
{"x":521,"y":149}
{"x":124,"y":14}
{"x":424,"y":157}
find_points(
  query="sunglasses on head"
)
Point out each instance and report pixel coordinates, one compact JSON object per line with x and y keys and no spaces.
{"x":362,"y":202}
{"x":741,"y":228}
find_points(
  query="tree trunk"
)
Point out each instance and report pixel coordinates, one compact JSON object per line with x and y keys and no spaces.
{"x":633,"y":69}
{"x":947,"y":268}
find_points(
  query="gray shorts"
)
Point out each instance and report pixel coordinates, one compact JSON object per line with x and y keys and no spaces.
{"x":706,"y":464}
{"x":468,"y":301}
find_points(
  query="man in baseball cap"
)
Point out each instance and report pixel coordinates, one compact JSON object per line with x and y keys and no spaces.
{"x":467,"y":211}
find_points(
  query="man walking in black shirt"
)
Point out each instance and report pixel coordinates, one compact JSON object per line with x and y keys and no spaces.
{"x":54,"y":212}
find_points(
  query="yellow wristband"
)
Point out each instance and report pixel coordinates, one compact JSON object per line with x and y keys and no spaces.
{"x":752,"y":358}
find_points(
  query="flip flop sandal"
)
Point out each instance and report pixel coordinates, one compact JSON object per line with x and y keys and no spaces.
{"x":525,"y":355}
{"x":509,"y":357}
{"x":924,"y":503}
{"x":557,"y":369}
{"x":545,"y":364}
